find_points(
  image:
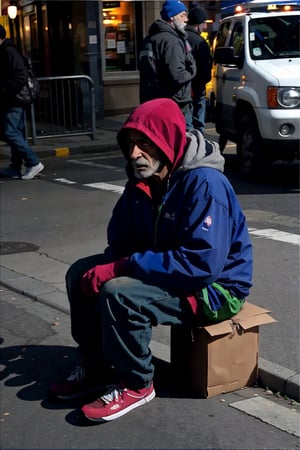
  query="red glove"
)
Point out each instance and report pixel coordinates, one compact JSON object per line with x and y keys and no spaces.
{"x":94,"y":278}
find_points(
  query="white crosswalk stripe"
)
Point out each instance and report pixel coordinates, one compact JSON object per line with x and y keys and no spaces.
{"x":276,"y":235}
{"x":64,"y":180}
{"x":269,"y":233}
{"x":106,"y":187}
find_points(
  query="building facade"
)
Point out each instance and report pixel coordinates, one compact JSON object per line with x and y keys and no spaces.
{"x":100,"y":39}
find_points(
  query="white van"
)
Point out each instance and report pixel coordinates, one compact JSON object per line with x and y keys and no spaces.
{"x":257,"y":83}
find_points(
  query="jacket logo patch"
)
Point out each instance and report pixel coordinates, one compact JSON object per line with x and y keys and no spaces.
{"x":207,"y":223}
{"x":170,"y":216}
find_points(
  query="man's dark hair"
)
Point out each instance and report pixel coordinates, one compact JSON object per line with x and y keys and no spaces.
{"x":2,"y":32}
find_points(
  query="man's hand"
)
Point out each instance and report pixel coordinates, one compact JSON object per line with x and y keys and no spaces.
{"x":94,"y":278}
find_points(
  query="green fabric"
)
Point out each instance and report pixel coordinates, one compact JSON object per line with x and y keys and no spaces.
{"x":231,"y":306}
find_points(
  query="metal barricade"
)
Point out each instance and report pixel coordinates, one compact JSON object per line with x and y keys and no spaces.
{"x":66,"y":107}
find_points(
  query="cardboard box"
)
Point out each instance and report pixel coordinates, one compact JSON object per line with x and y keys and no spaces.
{"x":221,"y":357}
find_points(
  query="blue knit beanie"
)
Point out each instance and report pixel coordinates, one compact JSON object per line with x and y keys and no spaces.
{"x":171,"y":8}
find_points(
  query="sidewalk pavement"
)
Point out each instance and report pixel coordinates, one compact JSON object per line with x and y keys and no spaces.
{"x":37,"y":350}
{"x":50,"y":291}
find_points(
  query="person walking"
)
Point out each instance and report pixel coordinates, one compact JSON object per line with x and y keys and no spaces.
{"x":203,"y":58}
{"x":13,"y":76}
{"x":178,"y":253}
{"x":166,"y":64}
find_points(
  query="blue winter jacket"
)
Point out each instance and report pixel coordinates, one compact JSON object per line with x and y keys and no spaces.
{"x":198,"y":235}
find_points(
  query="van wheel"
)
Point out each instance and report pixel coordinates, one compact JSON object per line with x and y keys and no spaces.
{"x":253,"y":160}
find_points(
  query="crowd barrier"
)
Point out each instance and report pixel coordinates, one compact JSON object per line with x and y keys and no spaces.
{"x":65,"y":107}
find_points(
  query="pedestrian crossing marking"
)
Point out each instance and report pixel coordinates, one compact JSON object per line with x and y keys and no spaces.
{"x":106,"y":187}
{"x":64,"y":180}
{"x":276,"y":235}
{"x":270,"y":233}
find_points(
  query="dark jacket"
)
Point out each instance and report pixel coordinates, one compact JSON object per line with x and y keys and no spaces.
{"x":166,"y":65}
{"x":13,"y":73}
{"x":199,"y":233}
{"x":203,"y":58}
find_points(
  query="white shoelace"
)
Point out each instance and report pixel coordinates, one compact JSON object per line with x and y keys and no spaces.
{"x":78,"y":374}
{"x":113,"y":392}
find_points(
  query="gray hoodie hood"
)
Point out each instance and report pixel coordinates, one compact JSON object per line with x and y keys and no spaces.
{"x":201,"y":152}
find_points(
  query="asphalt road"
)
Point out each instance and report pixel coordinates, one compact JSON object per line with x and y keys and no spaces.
{"x":48,"y":223}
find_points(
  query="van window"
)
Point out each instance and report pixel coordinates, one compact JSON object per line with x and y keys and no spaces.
{"x":237,"y":39}
{"x":274,"y":37}
{"x":222,"y":34}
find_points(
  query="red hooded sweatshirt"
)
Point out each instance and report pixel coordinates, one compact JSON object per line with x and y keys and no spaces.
{"x":168,"y":134}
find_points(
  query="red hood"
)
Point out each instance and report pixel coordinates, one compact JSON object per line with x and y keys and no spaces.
{"x":163,"y":123}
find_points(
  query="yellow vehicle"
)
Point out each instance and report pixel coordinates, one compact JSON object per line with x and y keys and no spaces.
{"x":210,"y":89}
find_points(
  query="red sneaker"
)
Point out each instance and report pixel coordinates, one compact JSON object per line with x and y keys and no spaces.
{"x":116,"y":402}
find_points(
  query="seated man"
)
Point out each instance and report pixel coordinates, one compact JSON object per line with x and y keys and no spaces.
{"x":178,"y":253}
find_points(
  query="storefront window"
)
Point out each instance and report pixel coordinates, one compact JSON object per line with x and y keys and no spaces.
{"x":119,"y":36}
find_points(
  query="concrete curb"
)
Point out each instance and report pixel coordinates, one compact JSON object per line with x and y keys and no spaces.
{"x":271,"y":375}
{"x":105,"y":140}
{"x":63,"y":151}
{"x":279,"y":379}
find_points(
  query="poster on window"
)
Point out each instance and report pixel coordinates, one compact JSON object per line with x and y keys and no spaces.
{"x":111,"y":40}
{"x":121,"y":47}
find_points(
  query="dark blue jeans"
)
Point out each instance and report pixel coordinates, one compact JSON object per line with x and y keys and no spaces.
{"x":14,"y":134}
{"x":199,"y":110}
{"x":187,"y":111}
{"x":115,"y":328}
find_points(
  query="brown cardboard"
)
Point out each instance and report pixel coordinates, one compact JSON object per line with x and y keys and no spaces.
{"x":221,"y":357}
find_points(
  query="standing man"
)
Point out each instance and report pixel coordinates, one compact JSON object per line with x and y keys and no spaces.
{"x":166,"y":64}
{"x":13,"y":76}
{"x":203,"y":58}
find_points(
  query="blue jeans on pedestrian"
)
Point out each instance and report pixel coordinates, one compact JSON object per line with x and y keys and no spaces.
{"x":115,"y":328}
{"x":199,"y":110}
{"x":13,"y":123}
{"x":187,"y":111}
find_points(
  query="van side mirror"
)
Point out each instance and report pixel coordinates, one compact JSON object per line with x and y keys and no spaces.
{"x":225,"y":55}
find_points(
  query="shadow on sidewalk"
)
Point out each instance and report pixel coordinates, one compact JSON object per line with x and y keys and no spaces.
{"x":33,"y":368}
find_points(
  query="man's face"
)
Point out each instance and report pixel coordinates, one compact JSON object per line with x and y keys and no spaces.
{"x":144,"y":155}
{"x":180,"y":21}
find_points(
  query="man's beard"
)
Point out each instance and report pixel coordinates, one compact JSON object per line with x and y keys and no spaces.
{"x":143,"y":169}
{"x":179,"y":27}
